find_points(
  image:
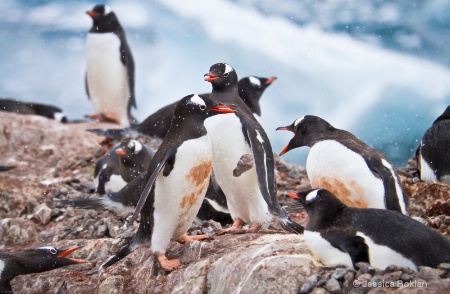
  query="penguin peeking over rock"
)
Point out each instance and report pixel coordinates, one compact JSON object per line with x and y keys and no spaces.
{"x":357,"y":174}
{"x":339,"y":234}
{"x":32,"y":261}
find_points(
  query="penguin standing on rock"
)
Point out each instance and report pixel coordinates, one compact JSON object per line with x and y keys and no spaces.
{"x":32,"y":261}
{"x":338,"y":234}
{"x":120,"y":165}
{"x":109,"y":68}
{"x":357,"y":174}
{"x":243,"y":161}
{"x":176,"y":181}
{"x":433,"y":156}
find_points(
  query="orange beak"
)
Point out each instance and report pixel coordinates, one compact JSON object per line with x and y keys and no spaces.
{"x":224,"y":108}
{"x":121,"y":152}
{"x":69,"y":251}
{"x":270,"y":80}
{"x":210,"y":77}
{"x":293,"y":195}
{"x":91,"y":13}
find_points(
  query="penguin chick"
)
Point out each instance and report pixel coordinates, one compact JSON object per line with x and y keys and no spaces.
{"x":357,"y":174}
{"x":32,"y":261}
{"x":176,"y":181}
{"x":339,"y":234}
{"x":109,"y":68}
{"x":433,"y":154}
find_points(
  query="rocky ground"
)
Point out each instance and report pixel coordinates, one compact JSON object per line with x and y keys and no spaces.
{"x":56,"y":161}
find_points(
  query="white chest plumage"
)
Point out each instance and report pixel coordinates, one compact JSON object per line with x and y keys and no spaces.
{"x":426,"y":172}
{"x":244,"y":198}
{"x":107,"y":77}
{"x":381,"y":256}
{"x":2,"y":267}
{"x":332,"y":166}
{"x":178,"y":196}
{"x":325,"y":252}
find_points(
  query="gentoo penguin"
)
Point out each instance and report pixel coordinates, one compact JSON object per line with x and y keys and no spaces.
{"x":176,"y":180}
{"x":251,"y":89}
{"x":120,"y":165}
{"x":157,"y":124}
{"x":48,"y":111}
{"x":109,"y":68}
{"x":249,"y":187}
{"x":339,"y":234}
{"x":32,"y":261}
{"x":357,"y":174}
{"x":433,"y":158}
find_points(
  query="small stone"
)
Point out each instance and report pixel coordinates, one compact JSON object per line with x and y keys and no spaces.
{"x":101,"y":231}
{"x":376,"y":279}
{"x":323,"y":280}
{"x":294,"y":174}
{"x":406,"y":277}
{"x":392,"y":277}
{"x":428,"y":273}
{"x":319,"y":291}
{"x":339,"y":273}
{"x":447,"y":221}
{"x":333,"y":286}
{"x":391,"y":268}
{"x":43,"y":213}
{"x":444,"y":266}
{"x":349,"y":276}
{"x":365,"y":268}
{"x":309,"y":284}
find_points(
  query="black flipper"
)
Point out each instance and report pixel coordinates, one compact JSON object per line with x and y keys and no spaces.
{"x":167,"y":164}
{"x":347,"y":241}
{"x":6,"y":168}
{"x":113,"y":133}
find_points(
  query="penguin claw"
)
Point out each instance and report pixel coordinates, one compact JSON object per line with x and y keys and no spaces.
{"x":168,"y":264}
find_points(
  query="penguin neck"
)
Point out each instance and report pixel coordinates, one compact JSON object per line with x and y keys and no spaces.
{"x":187,"y":128}
{"x":227,"y":94}
{"x":325,"y":216}
{"x":110,"y":26}
{"x":330,"y":134}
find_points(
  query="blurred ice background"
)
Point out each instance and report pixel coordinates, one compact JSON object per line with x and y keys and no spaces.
{"x":377,"y":68}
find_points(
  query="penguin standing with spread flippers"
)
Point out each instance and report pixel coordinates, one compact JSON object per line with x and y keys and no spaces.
{"x":243,"y":161}
{"x":120,"y":165}
{"x":176,"y":181}
{"x":32,"y":261}
{"x":357,"y":174}
{"x":338,"y":234}
{"x":157,"y":124}
{"x":433,"y":156}
{"x":109,"y":68}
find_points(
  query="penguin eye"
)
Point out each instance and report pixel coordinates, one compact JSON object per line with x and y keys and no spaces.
{"x":225,"y":74}
{"x":202,"y":107}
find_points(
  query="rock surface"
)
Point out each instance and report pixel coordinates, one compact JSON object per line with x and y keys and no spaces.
{"x":55,"y":162}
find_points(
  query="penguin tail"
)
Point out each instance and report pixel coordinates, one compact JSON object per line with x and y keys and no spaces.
{"x":110,"y":202}
{"x":289,"y":224}
{"x":112,"y":133}
{"x":118,"y":256}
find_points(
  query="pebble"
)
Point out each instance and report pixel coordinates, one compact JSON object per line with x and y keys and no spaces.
{"x":309,"y":284}
{"x":339,"y":273}
{"x":332,"y":286}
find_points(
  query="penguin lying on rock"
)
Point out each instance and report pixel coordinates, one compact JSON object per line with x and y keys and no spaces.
{"x":176,"y":181}
{"x":48,"y":111}
{"x":32,"y":261}
{"x":120,"y":165}
{"x":433,"y":158}
{"x":242,"y":156}
{"x":339,"y":234}
{"x":357,"y":174}
{"x":157,"y":124}
{"x":109,"y":68}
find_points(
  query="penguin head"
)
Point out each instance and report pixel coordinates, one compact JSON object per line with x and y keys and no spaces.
{"x":320,"y":204}
{"x":52,"y":257}
{"x":306,"y":131}
{"x":103,"y":17}
{"x":221,"y":75}
{"x":128,"y":149}
{"x":200,"y":107}
{"x":251,"y":89}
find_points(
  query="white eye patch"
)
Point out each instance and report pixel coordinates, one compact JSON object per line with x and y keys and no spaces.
{"x":197,"y":100}
{"x":255,"y":81}
{"x":49,"y":248}
{"x":311,"y":196}
{"x":298,"y":121}
{"x":108,"y":10}
{"x":228,"y":68}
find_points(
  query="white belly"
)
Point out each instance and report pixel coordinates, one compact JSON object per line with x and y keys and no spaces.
{"x":244,"y":198}
{"x":381,"y":256}
{"x":107,"y":77}
{"x":178,"y":197}
{"x":345,"y":174}
{"x":325,"y":252}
